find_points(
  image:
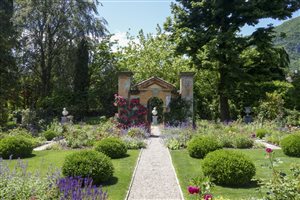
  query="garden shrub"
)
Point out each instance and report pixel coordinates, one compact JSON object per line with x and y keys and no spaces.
{"x":134,"y":143}
{"x":227,"y":167}
{"x":243,"y":142}
{"x":138,"y":132}
{"x":20,"y":132}
{"x":226,"y":141}
{"x":88,"y":164}
{"x":49,"y":134}
{"x":291,"y":145}
{"x":261,"y":133}
{"x":292,"y":117}
{"x":24,"y":133}
{"x":198,"y":147}
{"x":80,"y":136}
{"x":177,"y":137}
{"x":19,"y":183}
{"x":275,"y":137}
{"x":11,"y":125}
{"x":113,"y":147}
{"x":173,"y":144}
{"x":16,"y":147}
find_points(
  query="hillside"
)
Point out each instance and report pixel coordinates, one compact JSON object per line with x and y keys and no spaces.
{"x":292,"y":40}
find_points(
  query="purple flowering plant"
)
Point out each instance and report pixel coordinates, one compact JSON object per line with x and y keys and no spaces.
{"x":18,"y":183}
{"x":77,"y":188}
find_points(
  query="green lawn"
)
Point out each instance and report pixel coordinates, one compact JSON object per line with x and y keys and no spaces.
{"x":116,"y":189}
{"x":187,"y":168}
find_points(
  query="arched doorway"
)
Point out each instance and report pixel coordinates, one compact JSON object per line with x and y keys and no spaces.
{"x":158,"y":103}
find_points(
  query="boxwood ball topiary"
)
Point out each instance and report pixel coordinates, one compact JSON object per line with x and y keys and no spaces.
{"x":113,"y":147}
{"x":227,"y":167}
{"x":15,"y":146}
{"x":88,"y":163}
{"x":291,"y":145}
{"x":198,"y":147}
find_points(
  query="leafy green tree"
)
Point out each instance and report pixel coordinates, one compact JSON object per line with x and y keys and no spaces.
{"x":152,"y":55}
{"x":103,"y":72}
{"x":294,"y":92}
{"x":49,"y":33}
{"x":210,"y":30}
{"x":8,"y":70}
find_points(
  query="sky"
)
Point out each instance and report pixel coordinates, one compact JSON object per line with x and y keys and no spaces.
{"x":133,"y":15}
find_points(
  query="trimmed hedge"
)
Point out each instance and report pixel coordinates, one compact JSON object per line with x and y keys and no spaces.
{"x":15,"y":146}
{"x":88,"y":163}
{"x":113,"y":147}
{"x":291,"y":145}
{"x":198,"y":147}
{"x":49,"y":134}
{"x":227,"y":167}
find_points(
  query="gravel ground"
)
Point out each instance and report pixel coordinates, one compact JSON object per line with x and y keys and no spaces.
{"x":45,"y":146}
{"x":155,"y":177}
{"x":267,"y":145}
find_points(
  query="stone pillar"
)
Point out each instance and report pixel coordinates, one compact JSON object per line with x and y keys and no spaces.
{"x":124,"y":83}
{"x":187,"y":88}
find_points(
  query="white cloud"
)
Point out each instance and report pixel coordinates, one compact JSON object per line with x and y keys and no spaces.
{"x":121,"y":39}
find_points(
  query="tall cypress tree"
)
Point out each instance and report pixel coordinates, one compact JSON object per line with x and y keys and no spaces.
{"x":81,"y":78}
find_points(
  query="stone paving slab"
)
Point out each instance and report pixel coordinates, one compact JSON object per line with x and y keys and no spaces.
{"x":155,"y":177}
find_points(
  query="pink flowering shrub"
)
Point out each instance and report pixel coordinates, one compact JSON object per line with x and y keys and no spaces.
{"x":131,"y":113}
{"x":281,"y":185}
{"x":200,"y":188}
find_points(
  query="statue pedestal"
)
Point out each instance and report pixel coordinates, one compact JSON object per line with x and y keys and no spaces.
{"x":248,"y":119}
{"x":64,"y":120}
{"x":154,"y":120}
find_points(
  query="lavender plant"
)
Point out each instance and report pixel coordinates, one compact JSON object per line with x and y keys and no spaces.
{"x":77,"y":188}
{"x":177,"y":137}
{"x":19,"y":184}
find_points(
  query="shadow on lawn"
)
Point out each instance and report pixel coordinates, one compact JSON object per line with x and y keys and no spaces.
{"x":125,"y":156}
{"x":114,"y":180}
{"x":252,"y":184}
{"x":21,"y":158}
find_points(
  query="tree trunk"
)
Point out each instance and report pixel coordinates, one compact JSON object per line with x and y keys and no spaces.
{"x":224,"y":108}
{"x":223,"y":98}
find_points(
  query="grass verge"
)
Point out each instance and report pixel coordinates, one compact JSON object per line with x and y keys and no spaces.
{"x":116,"y":188}
{"x":187,"y":168}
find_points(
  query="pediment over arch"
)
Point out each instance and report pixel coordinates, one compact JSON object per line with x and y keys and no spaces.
{"x":155,"y":82}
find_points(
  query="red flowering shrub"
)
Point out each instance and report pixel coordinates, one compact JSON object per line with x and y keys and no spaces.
{"x":131,"y":113}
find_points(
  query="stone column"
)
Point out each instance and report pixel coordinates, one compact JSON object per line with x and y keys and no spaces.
{"x":187,"y":88}
{"x":124,"y":83}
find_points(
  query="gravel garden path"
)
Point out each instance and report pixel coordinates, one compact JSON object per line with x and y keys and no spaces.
{"x":155,"y":177}
{"x":266,"y":144}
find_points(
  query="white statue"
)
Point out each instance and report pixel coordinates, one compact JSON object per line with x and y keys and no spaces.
{"x":65,"y":112}
{"x":154,"y":111}
{"x":168,"y":100}
{"x":154,"y":117}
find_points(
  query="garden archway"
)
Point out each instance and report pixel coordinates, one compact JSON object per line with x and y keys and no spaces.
{"x":156,"y":87}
